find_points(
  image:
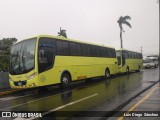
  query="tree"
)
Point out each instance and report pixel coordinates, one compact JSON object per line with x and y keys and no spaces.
{"x":5,"y":45}
{"x":62,"y":33}
{"x":121,"y":21}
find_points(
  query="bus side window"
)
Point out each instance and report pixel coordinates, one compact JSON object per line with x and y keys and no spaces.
{"x":46,"y":54}
{"x":42,"y":56}
{"x":109,"y":52}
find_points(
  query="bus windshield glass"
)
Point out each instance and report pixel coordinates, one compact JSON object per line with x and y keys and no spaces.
{"x":22,"y":57}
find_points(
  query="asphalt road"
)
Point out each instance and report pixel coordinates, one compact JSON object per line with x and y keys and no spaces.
{"x":92,"y":100}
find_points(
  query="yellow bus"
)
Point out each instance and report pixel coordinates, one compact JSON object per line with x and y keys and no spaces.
{"x":45,"y":60}
{"x":129,"y":61}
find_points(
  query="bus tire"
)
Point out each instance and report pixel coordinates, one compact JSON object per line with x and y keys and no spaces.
{"x":127,"y":70}
{"x":65,"y":81}
{"x":139,"y":68}
{"x":107,"y":73}
{"x":42,"y":89}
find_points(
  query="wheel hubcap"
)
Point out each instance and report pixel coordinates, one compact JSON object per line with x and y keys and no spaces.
{"x":107,"y":74}
{"x":65,"y":80}
{"x":127,"y":70}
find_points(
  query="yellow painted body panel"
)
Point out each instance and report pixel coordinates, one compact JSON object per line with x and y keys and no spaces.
{"x":24,"y":77}
{"x":133,"y":65}
{"x":79,"y":68}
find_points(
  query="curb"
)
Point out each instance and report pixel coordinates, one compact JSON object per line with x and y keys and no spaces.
{"x":7,"y":92}
{"x":117,"y":109}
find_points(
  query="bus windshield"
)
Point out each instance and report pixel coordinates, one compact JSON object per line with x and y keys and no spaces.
{"x":22,"y":57}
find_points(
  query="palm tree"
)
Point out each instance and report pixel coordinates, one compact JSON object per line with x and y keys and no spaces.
{"x":62,"y":33}
{"x":121,"y":21}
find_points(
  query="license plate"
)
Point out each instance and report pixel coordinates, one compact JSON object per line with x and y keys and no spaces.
{"x":19,"y":83}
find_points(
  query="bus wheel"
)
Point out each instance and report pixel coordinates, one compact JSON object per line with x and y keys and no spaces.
{"x":139,"y":68}
{"x":42,"y":89}
{"x":65,"y":81}
{"x":107,"y":73}
{"x":127,"y":70}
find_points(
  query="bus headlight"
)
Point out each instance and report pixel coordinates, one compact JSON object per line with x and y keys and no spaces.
{"x":10,"y":79}
{"x":32,"y":76}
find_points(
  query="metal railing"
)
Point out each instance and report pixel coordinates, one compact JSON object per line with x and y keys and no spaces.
{"x":4,"y":80}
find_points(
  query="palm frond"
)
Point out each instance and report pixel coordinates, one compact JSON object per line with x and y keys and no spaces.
{"x":126,"y":18}
{"x":120,"y":19}
{"x":127,"y":23}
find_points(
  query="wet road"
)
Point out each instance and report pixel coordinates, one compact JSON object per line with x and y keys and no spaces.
{"x":95,"y":95}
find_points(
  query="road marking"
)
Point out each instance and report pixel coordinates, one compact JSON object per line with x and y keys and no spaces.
{"x":60,"y":107}
{"x":140,"y":102}
{"x":35,"y":100}
{"x":71,"y":103}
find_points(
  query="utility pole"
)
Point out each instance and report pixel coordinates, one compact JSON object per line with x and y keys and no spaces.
{"x":141,"y":50}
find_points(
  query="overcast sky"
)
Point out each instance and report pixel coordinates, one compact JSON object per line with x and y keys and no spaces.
{"x":87,"y":20}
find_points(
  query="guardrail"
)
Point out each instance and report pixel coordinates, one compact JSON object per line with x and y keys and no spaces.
{"x":4,"y":80}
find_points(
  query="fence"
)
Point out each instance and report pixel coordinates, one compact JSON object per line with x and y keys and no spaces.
{"x":4,"y":80}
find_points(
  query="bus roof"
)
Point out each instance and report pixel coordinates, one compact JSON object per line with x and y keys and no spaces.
{"x":66,"y":39}
{"x":73,"y":40}
{"x":24,"y":40}
{"x":120,"y":49}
